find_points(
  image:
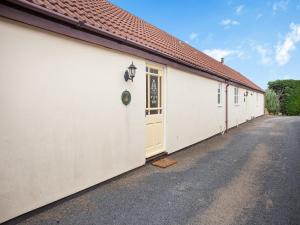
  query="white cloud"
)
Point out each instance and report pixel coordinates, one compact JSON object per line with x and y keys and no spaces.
{"x":284,"y":48}
{"x":280,"y":6}
{"x":222,"y":53}
{"x":264,"y":54}
{"x":239,"y":9}
{"x":193,"y":36}
{"x":228,"y":23}
{"x":258,"y":16}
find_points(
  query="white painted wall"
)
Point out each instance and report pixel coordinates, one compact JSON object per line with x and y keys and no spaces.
{"x":192,"y":113}
{"x":236,"y":112}
{"x":246,"y":109}
{"x":259,"y":105}
{"x":63,"y":125}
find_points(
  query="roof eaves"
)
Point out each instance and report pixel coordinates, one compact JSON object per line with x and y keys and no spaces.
{"x":82,"y":25}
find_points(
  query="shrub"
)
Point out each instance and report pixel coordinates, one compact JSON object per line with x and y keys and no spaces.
{"x":272,"y":102}
{"x":288,"y":92}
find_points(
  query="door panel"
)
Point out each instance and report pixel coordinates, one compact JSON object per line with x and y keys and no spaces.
{"x":154,"y":121}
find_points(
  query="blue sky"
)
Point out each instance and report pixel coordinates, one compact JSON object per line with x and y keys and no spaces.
{"x":260,"y":39}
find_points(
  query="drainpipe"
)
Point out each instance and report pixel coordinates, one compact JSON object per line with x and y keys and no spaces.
{"x":226,"y":106}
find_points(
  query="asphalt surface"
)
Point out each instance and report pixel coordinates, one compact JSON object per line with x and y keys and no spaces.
{"x":249,"y":176}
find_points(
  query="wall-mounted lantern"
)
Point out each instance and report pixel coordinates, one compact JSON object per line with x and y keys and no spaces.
{"x":130,"y":73}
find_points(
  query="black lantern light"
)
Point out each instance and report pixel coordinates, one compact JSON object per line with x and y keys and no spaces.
{"x":246,"y":94}
{"x":130,"y":73}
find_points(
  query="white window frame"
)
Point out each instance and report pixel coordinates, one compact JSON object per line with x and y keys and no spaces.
{"x":219,"y":95}
{"x":159,"y":74}
{"x":236,"y":96}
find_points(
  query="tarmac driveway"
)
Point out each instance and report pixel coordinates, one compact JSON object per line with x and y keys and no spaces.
{"x":249,"y":176}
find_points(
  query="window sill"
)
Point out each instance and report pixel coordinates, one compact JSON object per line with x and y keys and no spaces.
{"x":220,"y":106}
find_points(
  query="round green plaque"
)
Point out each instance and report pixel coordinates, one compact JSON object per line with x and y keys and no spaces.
{"x":126,"y":97}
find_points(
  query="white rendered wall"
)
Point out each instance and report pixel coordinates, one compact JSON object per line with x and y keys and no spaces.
{"x":259,"y":105}
{"x":244,"y":110}
{"x":63,"y":125}
{"x":192,"y":112}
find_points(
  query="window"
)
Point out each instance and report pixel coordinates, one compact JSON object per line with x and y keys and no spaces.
{"x":153,"y":91}
{"x":220,"y":94}
{"x":236,"y":96}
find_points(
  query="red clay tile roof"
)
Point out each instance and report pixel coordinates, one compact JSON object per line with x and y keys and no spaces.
{"x":115,"y":21}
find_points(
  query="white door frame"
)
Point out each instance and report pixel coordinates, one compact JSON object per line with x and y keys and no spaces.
{"x":162,"y":70}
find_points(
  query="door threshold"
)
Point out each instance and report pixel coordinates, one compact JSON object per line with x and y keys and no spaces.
{"x":156,"y":156}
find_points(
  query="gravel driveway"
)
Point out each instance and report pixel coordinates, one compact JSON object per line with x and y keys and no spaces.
{"x":249,"y":176}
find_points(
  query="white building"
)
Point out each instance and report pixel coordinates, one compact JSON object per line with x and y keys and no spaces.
{"x":64,"y":127}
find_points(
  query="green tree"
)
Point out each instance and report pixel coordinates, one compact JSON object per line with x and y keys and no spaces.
{"x":272,"y":102}
{"x":288,"y":92}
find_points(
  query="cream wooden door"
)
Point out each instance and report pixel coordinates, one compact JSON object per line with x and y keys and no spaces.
{"x":154,"y":113}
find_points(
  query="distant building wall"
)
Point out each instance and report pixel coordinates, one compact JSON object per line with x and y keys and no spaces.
{"x":248,"y":107}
